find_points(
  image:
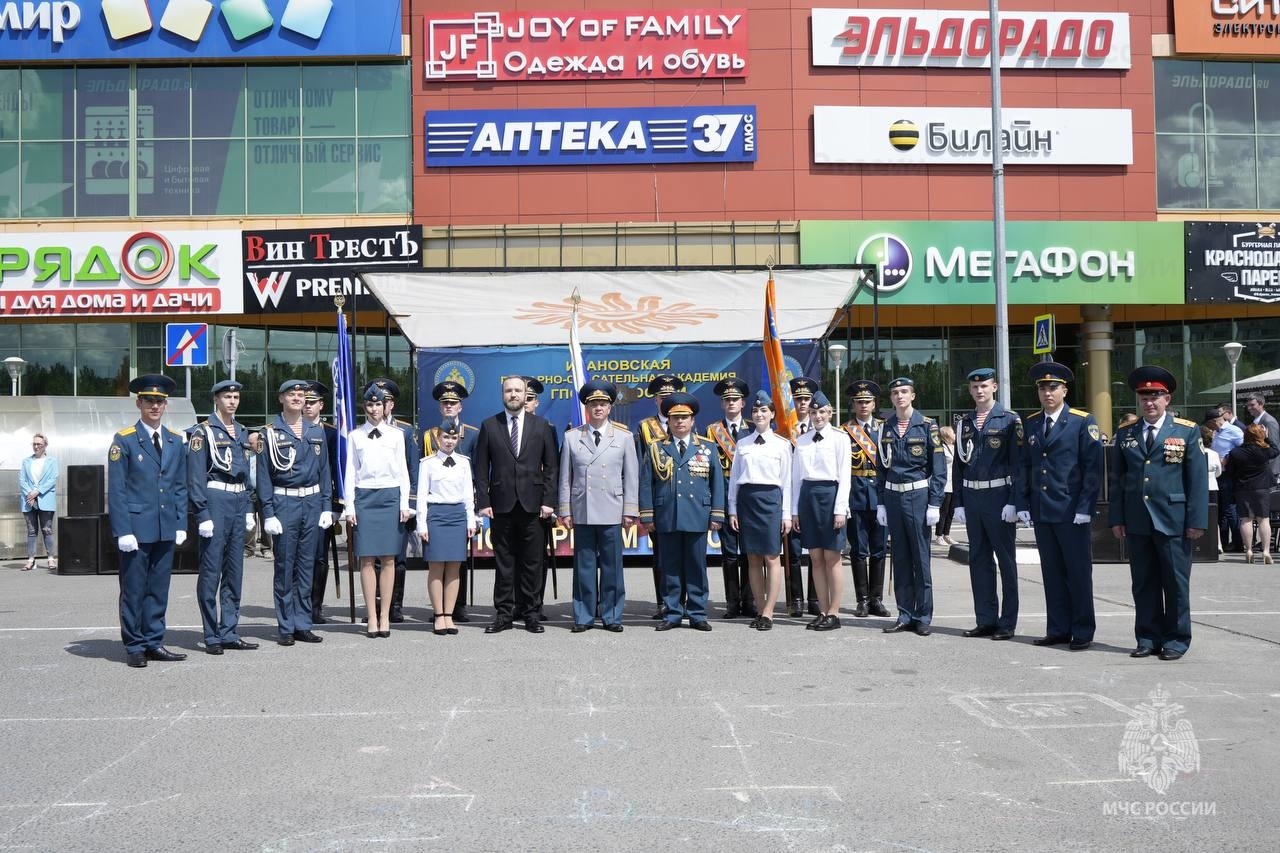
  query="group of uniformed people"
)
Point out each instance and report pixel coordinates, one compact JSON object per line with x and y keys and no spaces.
{"x":868,"y":481}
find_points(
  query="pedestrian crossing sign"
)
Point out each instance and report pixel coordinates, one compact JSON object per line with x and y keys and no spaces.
{"x":1042,"y":342}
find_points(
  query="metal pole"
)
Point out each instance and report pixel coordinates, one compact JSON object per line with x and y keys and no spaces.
{"x":1233,"y":386}
{"x":875,"y":324}
{"x":997,"y":176}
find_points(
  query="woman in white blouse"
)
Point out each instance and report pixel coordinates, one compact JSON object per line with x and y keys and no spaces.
{"x":446,"y":522}
{"x":760,"y":506}
{"x":377,"y":502}
{"x":820,"y":505}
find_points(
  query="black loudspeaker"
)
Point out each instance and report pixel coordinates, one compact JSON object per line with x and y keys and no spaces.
{"x":79,"y":546}
{"x":1105,"y":546}
{"x":1205,"y":549}
{"x":108,"y":555}
{"x":85,"y":491}
{"x":186,"y":557}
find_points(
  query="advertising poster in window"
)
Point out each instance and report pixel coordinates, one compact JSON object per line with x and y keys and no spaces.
{"x":1232,"y":262}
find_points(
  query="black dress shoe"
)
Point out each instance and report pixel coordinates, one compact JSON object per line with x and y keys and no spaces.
{"x":212,"y":649}
{"x":615,"y":627}
{"x":764,"y":623}
{"x":161,"y":653}
{"x":660,"y":613}
{"x":397,"y":615}
{"x":372,"y":635}
{"x":897,"y":628}
{"x":1051,"y":640}
{"x":307,"y":637}
{"x":578,"y":629}
{"x":795,"y":611}
{"x":733,"y":613}
{"x":384,"y":634}
{"x":496,"y":627}
{"x":754,"y":623}
{"x":1002,"y":634}
{"x":1143,"y":652}
{"x":860,"y":611}
{"x":1080,"y":645}
{"x":137,"y":660}
{"x":1168,"y":654}
{"x":285,"y":639}
{"x":319,"y":619}
{"x":704,"y":625}
{"x":814,"y":623}
{"x":460,"y":615}
{"x":666,"y":625}
{"x":875,"y":608}
{"x":533,"y":626}
{"x":922,"y":629}
{"x":828,"y":623}
{"x":239,"y":646}
{"x":980,"y":631}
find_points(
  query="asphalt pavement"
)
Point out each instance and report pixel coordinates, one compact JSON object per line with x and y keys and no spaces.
{"x":851,"y":740}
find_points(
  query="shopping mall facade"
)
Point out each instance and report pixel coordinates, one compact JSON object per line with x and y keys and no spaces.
{"x":234,"y":167}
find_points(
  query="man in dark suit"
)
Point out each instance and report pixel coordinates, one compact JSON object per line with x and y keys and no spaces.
{"x":516,"y":479}
{"x":1159,"y":503}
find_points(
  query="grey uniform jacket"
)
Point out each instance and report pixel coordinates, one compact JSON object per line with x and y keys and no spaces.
{"x":599,"y":485}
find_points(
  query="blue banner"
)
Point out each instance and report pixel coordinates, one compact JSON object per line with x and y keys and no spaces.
{"x":132,"y":30}
{"x":590,"y":136}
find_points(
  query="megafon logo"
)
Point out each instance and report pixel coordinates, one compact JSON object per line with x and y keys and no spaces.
{"x":188,"y":19}
{"x":892,"y":256}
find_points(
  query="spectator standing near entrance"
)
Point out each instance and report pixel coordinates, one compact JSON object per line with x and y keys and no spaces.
{"x":38,"y":483}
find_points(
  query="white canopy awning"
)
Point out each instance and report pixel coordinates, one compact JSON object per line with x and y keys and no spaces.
{"x":1270,"y":379}
{"x":465,"y":309}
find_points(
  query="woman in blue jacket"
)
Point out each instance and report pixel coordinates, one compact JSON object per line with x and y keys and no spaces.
{"x":38,"y":482}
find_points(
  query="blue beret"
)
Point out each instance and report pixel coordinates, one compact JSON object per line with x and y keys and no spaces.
{"x":449,"y":426}
{"x":820,"y":400}
{"x":762,"y":400}
{"x":224,"y":386}
{"x":981,"y":374}
{"x":153,"y":384}
{"x":294,"y":385}
{"x":902,"y":382}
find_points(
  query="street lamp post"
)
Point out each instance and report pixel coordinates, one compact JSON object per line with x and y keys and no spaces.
{"x":16,"y":367}
{"x":1233,"y":350}
{"x":835,"y":361}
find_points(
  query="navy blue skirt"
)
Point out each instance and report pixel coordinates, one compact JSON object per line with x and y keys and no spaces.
{"x":446,"y":533}
{"x":817,"y":514}
{"x":759,"y":519}
{"x":378,"y":528}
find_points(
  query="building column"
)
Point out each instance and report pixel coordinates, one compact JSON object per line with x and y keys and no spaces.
{"x":1096,"y":343}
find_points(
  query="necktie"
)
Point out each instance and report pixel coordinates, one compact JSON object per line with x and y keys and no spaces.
{"x":817,"y":435}
{"x":680,"y":446}
{"x":804,"y":428}
{"x":1048,"y":427}
{"x":759,"y":439}
{"x":597,"y":436}
{"x":515,"y":435}
{"x":373,"y":433}
{"x":155,"y":440}
{"x":1151,"y":435}
{"x":448,"y":462}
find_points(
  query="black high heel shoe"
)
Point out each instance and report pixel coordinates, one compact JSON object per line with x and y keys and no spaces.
{"x":439,"y":632}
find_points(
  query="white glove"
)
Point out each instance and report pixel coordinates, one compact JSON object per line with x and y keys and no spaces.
{"x":127,"y":543}
{"x":326,"y":520}
{"x":932,"y":515}
{"x":1025,"y":517}
{"x":959,"y":516}
{"x":882,"y":517}
{"x":273,"y":526}
{"x":1008,"y":514}
{"x":205,"y":529}
{"x":248,"y":522}
{"x":1081,"y":518}
{"x":179,"y":537}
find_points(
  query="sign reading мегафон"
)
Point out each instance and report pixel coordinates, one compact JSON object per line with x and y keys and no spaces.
{"x":1232,"y":262}
{"x":303,"y":269}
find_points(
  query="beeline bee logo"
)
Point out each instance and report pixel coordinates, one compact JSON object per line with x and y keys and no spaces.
{"x":904,"y":135}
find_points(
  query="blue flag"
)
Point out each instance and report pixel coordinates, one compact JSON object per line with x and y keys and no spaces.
{"x":344,"y":406}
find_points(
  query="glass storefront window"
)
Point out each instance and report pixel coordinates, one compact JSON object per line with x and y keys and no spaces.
{"x":48,"y":179}
{"x":384,"y":89}
{"x":47,"y":98}
{"x":218,"y":93}
{"x":328,"y":100}
{"x":10,"y":98}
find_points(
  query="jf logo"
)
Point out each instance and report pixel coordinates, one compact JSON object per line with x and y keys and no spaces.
{"x":892,"y":256}
{"x":188,"y":18}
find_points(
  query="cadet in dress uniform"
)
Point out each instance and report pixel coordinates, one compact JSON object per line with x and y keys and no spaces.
{"x":312,"y":406}
{"x":819,"y":502}
{"x":147,"y":502}
{"x":1159,"y":503}
{"x":651,"y":429}
{"x":802,"y":390}
{"x":681,"y":498}
{"x":446,"y":521}
{"x":988,"y":477}
{"x":599,"y":494}
{"x":913,"y":473}
{"x":449,"y":395}
{"x":1062,"y":470}
{"x":759,"y":500}
{"x":724,"y":434}
{"x":411,"y":459}
{"x":295,"y":490}
{"x":218,"y":460}
{"x":866,"y":536}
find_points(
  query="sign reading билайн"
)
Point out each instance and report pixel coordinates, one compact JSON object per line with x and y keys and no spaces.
{"x":1236,"y":27}
{"x":128,"y":30}
{"x":636,"y":44}
{"x":914,"y":38}
{"x":950,"y":263}
{"x":119,"y":273}
{"x":1232,"y":262}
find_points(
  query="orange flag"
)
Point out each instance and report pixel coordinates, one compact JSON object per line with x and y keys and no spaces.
{"x":779,"y":384}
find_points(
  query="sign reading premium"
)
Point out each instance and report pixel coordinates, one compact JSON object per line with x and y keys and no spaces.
{"x":926,"y":135}
{"x":951,"y":263}
{"x":962,"y":39}
{"x":1237,"y":27}
{"x":587,"y":45}
{"x":129,"y":30}
{"x":1232,"y":262}
{"x":562,"y":137}
{"x":119,"y":274}
{"x":303,"y":269}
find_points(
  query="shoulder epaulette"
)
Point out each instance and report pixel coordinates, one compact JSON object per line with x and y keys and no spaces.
{"x":1081,"y":412}
{"x":1184,"y":422}
{"x":466,"y":427}
{"x":327,"y":425}
{"x":929,"y":420}
{"x":621,"y":426}
{"x":128,"y":430}
{"x":1038,"y":413}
